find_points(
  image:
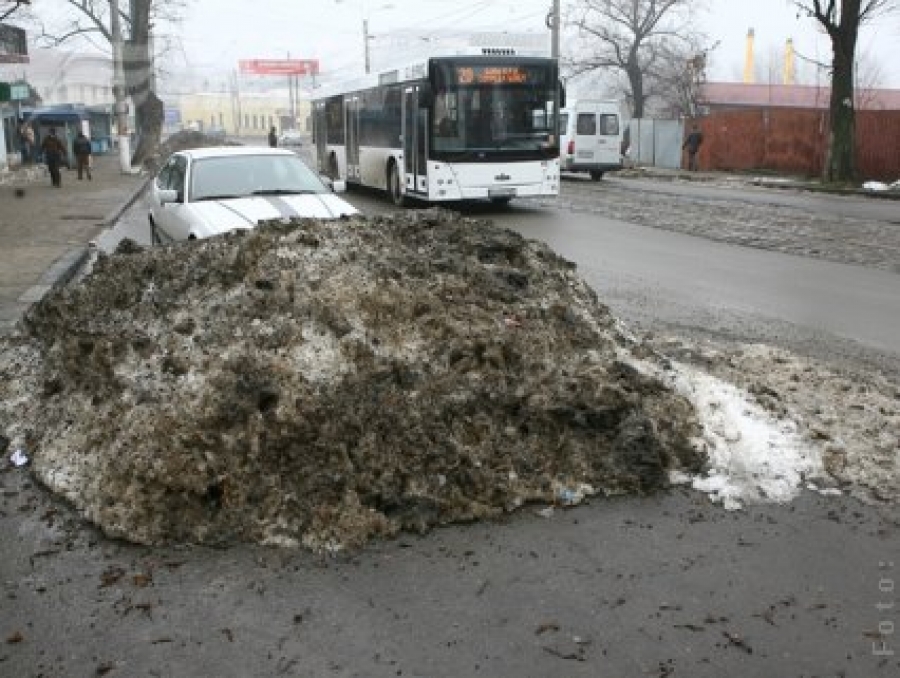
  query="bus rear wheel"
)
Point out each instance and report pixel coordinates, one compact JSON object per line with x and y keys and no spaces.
{"x":394,"y":187}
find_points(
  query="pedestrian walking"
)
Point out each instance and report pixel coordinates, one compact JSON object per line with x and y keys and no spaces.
{"x":273,"y":138}
{"x":692,"y":144}
{"x":54,"y":152}
{"x":82,"y":149}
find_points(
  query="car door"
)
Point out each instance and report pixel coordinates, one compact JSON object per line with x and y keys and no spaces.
{"x":586,"y":138}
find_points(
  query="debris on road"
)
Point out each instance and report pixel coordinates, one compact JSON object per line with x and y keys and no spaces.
{"x":18,"y":458}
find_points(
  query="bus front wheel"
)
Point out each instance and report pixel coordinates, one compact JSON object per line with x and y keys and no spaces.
{"x":397,"y":194}
{"x":333,"y":167}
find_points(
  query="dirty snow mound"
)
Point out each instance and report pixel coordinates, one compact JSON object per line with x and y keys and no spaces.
{"x":326,"y":382}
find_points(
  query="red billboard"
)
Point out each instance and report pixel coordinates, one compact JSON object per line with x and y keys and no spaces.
{"x":279,"y":66}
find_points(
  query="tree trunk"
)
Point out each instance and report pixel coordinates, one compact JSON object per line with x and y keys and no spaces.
{"x":636,"y":81}
{"x":148,"y":112}
{"x":840,"y":163}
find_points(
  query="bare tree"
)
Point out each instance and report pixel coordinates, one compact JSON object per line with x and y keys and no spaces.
{"x":679,"y":78}
{"x":841,"y":20}
{"x":91,"y":19}
{"x":637,"y":39}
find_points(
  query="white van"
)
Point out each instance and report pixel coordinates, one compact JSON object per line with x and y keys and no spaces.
{"x":590,"y":134}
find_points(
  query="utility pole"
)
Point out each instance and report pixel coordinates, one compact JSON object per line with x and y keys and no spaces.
{"x":553,"y":25}
{"x":121,"y":105}
{"x":366,"y":39}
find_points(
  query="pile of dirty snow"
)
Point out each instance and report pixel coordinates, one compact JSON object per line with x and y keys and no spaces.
{"x":326,"y":382}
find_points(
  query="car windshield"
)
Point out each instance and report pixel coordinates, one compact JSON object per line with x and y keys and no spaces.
{"x":238,"y":176}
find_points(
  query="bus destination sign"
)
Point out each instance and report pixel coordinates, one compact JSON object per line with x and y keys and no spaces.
{"x":494,"y":75}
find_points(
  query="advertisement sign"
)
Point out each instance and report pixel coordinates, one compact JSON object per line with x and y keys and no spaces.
{"x":13,"y":91}
{"x":279,"y":66}
{"x":13,"y":45}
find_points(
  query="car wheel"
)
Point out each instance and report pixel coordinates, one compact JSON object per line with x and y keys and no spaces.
{"x":397,"y":194}
{"x":501,"y":202}
{"x":596,"y":175}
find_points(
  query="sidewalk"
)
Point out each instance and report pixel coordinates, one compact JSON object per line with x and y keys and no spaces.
{"x":45,"y":231}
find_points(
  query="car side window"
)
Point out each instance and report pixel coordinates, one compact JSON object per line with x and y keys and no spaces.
{"x":177,"y":176}
{"x":162,"y":179}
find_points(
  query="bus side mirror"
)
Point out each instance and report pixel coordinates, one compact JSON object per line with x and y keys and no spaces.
{"x":562,"y":95}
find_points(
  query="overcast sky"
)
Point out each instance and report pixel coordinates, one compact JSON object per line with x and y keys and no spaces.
{"x":217,"y":33}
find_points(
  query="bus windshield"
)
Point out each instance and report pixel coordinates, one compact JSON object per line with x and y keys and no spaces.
{"x":495,"y":110}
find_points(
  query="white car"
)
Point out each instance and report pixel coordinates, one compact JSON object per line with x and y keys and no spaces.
{"x":207,"y":191}
{"x":291,"y":139}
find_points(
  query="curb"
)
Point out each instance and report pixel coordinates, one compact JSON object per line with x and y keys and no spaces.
{"x":111,"y":218}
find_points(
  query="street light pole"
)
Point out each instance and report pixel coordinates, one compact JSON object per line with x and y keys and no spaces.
{"x":121,"y":106}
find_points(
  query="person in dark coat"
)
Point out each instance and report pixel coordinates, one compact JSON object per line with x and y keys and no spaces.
{"x":82,"y":149}
{"x":692,"y":144}
{"x":54,"y":152}
{"x":273,"y":138}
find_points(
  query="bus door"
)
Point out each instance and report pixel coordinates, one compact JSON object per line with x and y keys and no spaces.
{"x":320,"y":131}
{"x":351,"y":111}
{"x":415,"y":126}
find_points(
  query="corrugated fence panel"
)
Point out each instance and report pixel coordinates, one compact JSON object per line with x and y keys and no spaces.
{"x":732,"y":140}
{"x":794,"y":141}
{"x":878,"y":145}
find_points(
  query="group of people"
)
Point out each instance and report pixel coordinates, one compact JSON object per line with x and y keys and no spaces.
{"x":54,"y":152}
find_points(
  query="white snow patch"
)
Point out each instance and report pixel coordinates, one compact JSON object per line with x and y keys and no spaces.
{"x":753,"y":456}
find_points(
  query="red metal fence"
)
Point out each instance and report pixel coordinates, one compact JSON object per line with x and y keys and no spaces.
{"x":794,"y":141}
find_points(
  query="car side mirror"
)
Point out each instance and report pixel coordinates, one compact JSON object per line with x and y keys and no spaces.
{"x":167,"y":195}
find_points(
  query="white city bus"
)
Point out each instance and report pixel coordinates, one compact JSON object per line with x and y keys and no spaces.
{"x":465,"y":127}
